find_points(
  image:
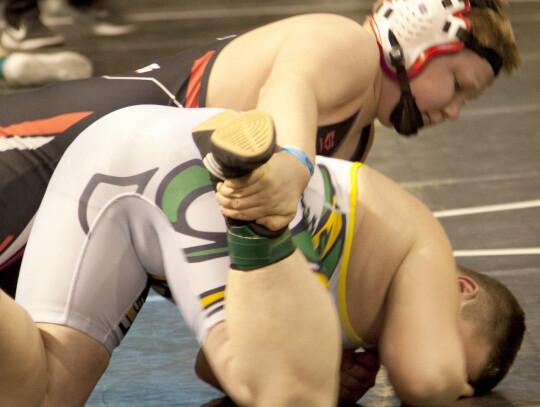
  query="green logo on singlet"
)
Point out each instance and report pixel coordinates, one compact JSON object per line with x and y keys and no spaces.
{"x":176,"y":193}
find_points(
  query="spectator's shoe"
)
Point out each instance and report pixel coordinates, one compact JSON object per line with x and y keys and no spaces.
{"x":103,"y":18}
{"x":30,"y":35}
{"x":37,"y":69}
{"x":239,"y":143}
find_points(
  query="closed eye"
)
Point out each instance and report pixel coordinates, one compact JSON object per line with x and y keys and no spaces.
{"x":457,"y":85}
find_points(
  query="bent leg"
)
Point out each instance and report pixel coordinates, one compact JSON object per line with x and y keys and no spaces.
{"x":83,"y":303}
{"x":41,"y":364}
{"x":280,"y":343}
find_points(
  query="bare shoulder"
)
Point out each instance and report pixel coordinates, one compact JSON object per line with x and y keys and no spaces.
{"x":331,"y":33}
{"x":388,"y":223}
{"x":324,"y":20}
{"x":317,"y":20}
{"x":334,"y":57}
{"x":340,"y":56}
{"x":339,"y":33}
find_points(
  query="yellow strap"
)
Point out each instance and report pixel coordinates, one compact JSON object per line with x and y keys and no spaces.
{"x":342,"y":284}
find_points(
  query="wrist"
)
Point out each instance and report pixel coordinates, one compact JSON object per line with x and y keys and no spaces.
{"x":300,"y":155}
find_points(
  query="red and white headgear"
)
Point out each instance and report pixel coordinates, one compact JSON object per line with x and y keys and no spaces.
{"x":423,"y":29}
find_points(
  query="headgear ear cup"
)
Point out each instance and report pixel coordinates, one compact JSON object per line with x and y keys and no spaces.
{"x":406,"y":116}
{"x":424,"y":28}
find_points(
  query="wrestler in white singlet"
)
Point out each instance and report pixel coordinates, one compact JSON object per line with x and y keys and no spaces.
{"x":130,"y":205}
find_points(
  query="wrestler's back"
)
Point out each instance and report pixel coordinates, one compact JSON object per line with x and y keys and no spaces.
{"x":397,"y":242}
{"x":244,"y":65}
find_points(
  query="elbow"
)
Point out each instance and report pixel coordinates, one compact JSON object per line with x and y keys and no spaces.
{"x":429,"y":389}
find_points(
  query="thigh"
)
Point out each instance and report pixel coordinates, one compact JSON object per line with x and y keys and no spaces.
{"x":159,"y":205}
{"x":50,"y":364}
{"x":94,"y":283}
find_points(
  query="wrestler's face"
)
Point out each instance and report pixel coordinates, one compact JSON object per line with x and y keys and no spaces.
{"x":442,"y":87}
{"x":476,"y":357}
{"x":476,"y":348}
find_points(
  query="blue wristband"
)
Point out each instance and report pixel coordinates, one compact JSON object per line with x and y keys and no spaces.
{"x":301,"y":156}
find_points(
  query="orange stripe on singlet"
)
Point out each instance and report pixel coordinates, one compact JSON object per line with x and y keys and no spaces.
{"x":5,"y":243}
{"x":194,"y":84}
{"x":51,"y":125}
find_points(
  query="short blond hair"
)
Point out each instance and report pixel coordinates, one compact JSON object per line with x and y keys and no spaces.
{"x":492,"y":28}
{"x":500,"y":321}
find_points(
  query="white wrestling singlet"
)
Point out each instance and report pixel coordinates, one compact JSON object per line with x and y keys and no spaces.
{"x":130,"y":205}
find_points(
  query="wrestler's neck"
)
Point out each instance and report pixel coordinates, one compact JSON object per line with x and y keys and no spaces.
{"x":378,"y":84}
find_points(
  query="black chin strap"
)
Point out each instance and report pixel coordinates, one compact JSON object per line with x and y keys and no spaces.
{"x":406,"y":116}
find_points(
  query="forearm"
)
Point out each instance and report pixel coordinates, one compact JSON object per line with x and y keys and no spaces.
{"x":292,"y":103}
{"x":423,"y":373}
{"x":438,"y":390}
{"x":281,"y":339}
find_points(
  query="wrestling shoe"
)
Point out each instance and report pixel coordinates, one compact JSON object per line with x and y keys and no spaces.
{"x":37,"y":69}
{"x":238,"y":142}
{"x":232,"y":145}
{"x":30,"y":35}
{"x":104,"y":19}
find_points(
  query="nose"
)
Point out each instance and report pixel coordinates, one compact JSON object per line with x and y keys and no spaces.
{"x":452,"y":110}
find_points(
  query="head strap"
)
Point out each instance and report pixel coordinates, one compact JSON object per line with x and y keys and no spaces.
{"x":488,"y":54}
{"x":406,"y":116}
{"x":491,"y":4}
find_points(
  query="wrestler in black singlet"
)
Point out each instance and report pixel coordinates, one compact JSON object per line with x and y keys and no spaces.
{"x":37,"y":126}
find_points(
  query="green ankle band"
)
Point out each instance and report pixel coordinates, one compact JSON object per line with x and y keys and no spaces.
{"x":249,"y":250}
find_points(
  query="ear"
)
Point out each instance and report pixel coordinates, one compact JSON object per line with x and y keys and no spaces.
{"x":468,"y":288}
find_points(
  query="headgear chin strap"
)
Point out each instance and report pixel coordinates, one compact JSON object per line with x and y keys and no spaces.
{"x":406,"y":116}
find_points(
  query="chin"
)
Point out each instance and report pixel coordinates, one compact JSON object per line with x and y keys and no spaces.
{"x":385,"y":122}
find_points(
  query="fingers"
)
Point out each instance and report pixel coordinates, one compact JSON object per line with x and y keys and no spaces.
{"x":353,"y":360}
{"x":245,"y":207}
{"x":276,"y":222}
{"x":243,"y":198}
{"x":257,"y":197}
{"x":358,"y":374}
{"x":272,"y":222}
{"x":368,"y":360}
{"x":270,"y":194}
{"x":247,"y":185}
